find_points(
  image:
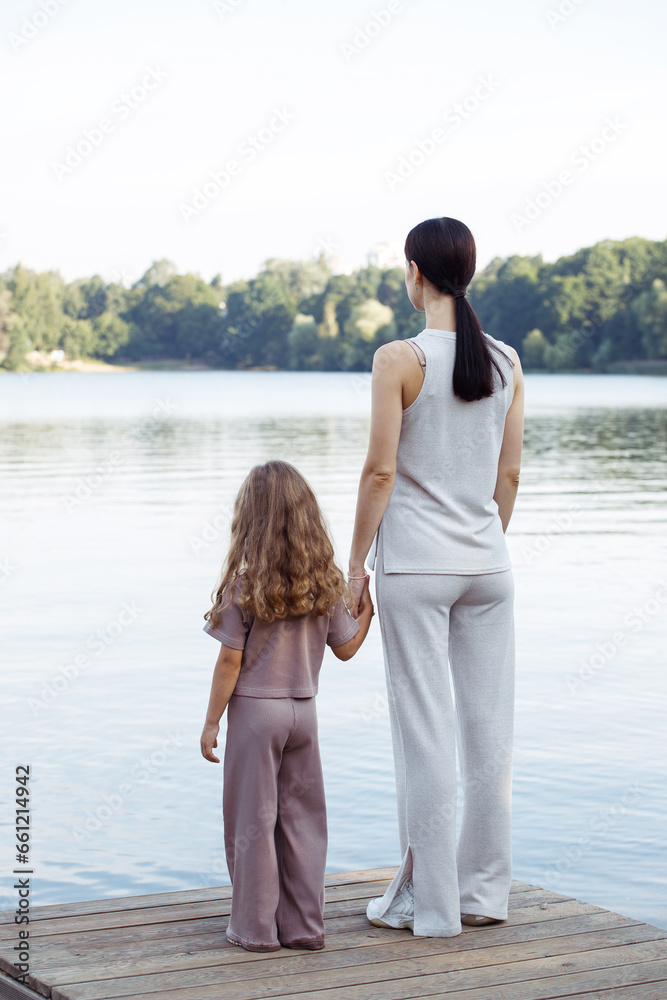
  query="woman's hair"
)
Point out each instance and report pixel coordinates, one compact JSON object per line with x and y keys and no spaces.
{"x":280,"y":553}
{"x":445,"y":253}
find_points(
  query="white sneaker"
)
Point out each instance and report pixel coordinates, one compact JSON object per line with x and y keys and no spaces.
{"x":477,"y":920}
{"x":400,"y":914}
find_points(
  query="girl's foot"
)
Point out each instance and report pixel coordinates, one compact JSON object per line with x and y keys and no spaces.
{"x":473,"y":920}
{"x":252,"y":947}
{"x":310,"y":944}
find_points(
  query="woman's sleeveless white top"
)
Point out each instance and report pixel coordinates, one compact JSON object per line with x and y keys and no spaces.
{"x":441,"y":516}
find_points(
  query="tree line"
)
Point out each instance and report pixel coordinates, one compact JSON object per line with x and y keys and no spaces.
{"x":603,"y":306}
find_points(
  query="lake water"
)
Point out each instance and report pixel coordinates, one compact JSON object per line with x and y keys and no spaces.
{"x":114,"y":503}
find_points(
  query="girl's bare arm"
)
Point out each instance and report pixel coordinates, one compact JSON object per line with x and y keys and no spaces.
{"x":366,"y":612}
{"x":225,"y":676}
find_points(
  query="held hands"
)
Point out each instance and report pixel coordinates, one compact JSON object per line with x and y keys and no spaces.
{"x":356,"y":585}
{"x":209,"y":740}
{"x":361,"y":596}
{"x":366,"y":609}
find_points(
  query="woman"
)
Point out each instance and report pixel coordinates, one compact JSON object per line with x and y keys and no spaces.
{"x":438,"y":487}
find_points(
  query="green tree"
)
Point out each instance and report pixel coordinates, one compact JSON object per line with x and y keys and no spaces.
{"x":158,"y":274}
{"x":598,"y":306}
{"x":17,"y":345}
{"x":600,"y":276}
{"x":369,"y":324}
{"x":391,"y":292}
{"x":534,"y":346}
{"x":94,"y":297}
{"x":507,"y":297}
{"x":77,"y":339}
{"x":260,"y":315}
{"x":302,"y":278}
{"x":304,"y":344}
{"x":650,"y":309}
{"x":37,"y":299}
{"x":367,"y":318}
{"x":5,"y":320}
{"x":172,"y":316}
{"x":111,"y":334}
{"x":13,"y":336}
{"x":329,"y":328}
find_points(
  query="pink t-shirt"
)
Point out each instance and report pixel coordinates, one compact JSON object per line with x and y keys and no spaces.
{"x":281,"y":659}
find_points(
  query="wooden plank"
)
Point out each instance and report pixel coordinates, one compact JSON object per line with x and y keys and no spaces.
{"x":362,"y":875}
{"x":192,"y":951}
{"x":132,"y":915}
{"x":350,"y":903}
{"x":101,"y":937}
{"x":135,"y":937}
{"x":447,"y":961}
{"x":123,"y":903}
{"x":171,"y":946}
{"x":303,"y":963}
{"x":529,"y":915}
{"x":183,"y":896}
{"x":523,"y":887}
{"x":575,"y":987}
{"x":639,"y":991}
{"x":578,"y":984}
{"x":119,"y":915}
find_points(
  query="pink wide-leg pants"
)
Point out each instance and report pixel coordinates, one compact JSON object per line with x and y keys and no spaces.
{"x":275,"y":823}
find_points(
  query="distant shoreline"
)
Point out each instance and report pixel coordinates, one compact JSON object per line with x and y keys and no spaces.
{"x":93,"y":367}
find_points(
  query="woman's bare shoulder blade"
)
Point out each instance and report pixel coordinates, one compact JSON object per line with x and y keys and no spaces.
{"x":393,"y":352}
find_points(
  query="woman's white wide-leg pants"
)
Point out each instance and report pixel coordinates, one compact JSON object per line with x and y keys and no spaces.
{"x":431,"y":625}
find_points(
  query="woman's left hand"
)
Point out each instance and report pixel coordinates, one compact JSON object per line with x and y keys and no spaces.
{"x":357,"y":587}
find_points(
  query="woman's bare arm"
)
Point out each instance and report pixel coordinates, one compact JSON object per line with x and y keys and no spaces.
{"x":379,"y":471}
{"x":509,"y":462}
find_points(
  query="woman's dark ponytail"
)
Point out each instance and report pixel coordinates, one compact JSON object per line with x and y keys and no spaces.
{"x":474,"y":363}
{"x":445,"y":253}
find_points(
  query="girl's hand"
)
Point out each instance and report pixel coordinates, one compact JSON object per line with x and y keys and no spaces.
{"x":357,"y":589}
{"x":209,"y":740}
{"x":366,"y":609}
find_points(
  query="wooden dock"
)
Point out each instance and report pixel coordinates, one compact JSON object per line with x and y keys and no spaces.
{"x":172,"y":946}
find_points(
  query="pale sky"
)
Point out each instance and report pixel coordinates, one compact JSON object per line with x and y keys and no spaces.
{"x":158,"y":94}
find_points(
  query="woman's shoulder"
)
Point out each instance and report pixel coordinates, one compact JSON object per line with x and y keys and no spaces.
{"x":394,"y":350}
{"x":502,"y":346}
{"x":393,"y":360}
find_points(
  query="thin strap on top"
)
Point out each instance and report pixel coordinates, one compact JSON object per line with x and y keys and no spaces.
{"x":418,"y":351}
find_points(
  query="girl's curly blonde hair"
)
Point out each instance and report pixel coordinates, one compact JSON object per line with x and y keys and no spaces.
{"x":280,"y":553}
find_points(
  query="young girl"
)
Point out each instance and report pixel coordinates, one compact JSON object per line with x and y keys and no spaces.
{"x":280,"y":602}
